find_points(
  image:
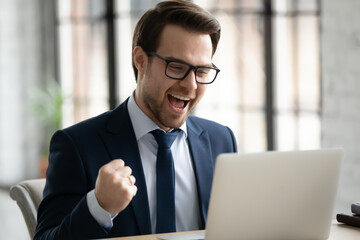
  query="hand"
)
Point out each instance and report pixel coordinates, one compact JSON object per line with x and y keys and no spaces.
{"x":115,"y":186}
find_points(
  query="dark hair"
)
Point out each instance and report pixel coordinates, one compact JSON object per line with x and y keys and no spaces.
{"x":179,"y":12}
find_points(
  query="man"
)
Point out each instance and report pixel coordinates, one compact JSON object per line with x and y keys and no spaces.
{"x":103,"y":180}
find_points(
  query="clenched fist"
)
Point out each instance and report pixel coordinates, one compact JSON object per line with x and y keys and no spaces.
{"x":115,"y":186}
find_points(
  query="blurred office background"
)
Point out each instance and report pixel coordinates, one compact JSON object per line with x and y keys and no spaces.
{"x":289,"y":79}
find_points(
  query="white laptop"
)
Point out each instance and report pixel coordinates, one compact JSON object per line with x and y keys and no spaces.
{"x":272,"y":195}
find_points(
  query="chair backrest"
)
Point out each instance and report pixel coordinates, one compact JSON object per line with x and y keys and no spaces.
{"x":28,"y":195}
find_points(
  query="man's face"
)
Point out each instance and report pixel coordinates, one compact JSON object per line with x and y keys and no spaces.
{"x":166,"y":101}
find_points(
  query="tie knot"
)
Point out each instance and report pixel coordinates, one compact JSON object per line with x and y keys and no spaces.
{"x":165,"y":140}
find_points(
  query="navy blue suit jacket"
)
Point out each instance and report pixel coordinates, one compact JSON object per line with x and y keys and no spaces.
{"x":78,"y":152}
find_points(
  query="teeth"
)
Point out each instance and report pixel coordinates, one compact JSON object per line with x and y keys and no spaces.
{"x":180,"y":97}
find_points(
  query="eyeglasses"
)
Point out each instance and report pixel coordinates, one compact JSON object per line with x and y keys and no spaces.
{"x":179,"y":70}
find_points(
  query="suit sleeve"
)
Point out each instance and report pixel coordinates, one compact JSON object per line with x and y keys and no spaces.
{"x":63,"y":213}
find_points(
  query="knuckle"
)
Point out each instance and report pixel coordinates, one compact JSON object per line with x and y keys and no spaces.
{"x":120,"y":162}
{"x":122,"y":184}
{"x":133,"y":179}
{"x":128,"y":194}
{"x":134,"y":190}
{"x":128,"y":170}
{"x":113,"y":178}
{"x":103,"y":170}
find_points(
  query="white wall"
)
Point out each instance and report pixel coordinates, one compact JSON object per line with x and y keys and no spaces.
{"x":340,"y":56}
{"x":25,"y":57}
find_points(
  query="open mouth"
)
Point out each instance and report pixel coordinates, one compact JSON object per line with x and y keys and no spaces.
{"x":178,"y":102}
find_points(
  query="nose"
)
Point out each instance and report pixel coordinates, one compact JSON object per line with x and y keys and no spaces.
{"x":189,"y":81}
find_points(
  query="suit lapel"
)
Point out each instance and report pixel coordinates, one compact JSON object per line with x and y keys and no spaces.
{"x":121,"y":143}
{"x":204,"y":167}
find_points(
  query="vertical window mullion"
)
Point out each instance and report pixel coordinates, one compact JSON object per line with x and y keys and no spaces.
{"x":111,"y":52}
{"x":269,"y":99}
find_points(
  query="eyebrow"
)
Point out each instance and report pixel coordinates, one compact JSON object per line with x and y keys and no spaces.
{"x":181,"y":61}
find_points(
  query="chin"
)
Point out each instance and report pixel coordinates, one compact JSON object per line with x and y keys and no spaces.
{"x":175,"y":123}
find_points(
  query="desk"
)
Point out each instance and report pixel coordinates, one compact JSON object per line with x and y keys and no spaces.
{"x":338,"y":232}
{"x":342,"y":231}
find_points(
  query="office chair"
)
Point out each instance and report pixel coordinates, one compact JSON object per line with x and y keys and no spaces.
{"x":28,"y":195}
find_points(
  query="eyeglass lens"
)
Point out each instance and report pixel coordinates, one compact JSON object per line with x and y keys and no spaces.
{"x":179,"y":71}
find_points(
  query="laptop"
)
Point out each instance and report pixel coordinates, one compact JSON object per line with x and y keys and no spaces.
{"x":272,"y":195}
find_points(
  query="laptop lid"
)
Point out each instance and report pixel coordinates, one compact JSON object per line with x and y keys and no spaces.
{"x":273,"y":195}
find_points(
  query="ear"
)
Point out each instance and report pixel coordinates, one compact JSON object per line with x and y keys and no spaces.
{"x":140,"y":59}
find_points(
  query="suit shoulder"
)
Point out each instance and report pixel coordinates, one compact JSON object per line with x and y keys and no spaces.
{"x":92,"y":124}
{"x":90,"y":128}
{"x":214,"y":129}
{"x":206,"y":124}
{"x":221,"y":136}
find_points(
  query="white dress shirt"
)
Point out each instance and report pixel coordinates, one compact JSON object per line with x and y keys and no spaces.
{"x":186,"y":196}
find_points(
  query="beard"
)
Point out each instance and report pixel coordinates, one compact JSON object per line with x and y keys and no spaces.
{"x":161,"y":115}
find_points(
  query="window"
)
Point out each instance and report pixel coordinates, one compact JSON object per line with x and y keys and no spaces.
{"x":297,"y":77}
{"x":268,"y":90}
{"x":82,"y":57}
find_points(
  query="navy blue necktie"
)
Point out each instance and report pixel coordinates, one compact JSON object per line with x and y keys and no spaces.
{"x":165,"y":182}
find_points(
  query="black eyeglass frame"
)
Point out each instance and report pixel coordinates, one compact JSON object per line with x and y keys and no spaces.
{"x":191,"y":67}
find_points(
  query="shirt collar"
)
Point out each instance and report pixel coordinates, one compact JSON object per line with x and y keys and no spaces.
{"x":142,"y":124}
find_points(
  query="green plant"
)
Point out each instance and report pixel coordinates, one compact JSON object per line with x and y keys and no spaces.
{"x":48,"y":109}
